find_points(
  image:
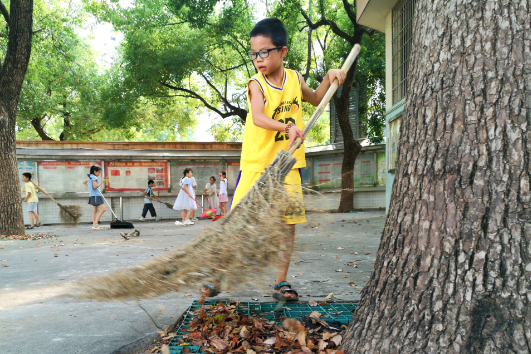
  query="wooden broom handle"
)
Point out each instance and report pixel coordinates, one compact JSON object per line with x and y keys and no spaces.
{"x":42,"y":190}
{"x":327,"y":97}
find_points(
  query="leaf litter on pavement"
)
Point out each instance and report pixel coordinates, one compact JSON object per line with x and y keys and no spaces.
{"x":221,"y":329}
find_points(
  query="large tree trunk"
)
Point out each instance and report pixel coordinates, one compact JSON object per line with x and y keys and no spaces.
{"x":351,"y":145}
{"x":452,"y":274}
{"x":12,"y":73}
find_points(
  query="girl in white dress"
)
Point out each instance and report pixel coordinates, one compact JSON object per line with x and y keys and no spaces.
{"x":211,"y":193}
{"x":223,"y":195}
{"x":192,"y":190}
{"x":184,"y":201}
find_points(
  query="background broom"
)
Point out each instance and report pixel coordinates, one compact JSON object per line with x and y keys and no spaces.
{"x":238,"y":248}
{"x":69,"y":214}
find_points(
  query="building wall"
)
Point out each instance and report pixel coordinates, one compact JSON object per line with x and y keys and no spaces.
{"x":31,"y":158}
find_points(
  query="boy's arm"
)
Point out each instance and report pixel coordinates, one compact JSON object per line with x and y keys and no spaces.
{"x":315,"y":97}
{"x":27,"y":196}
{"x":85,"y":183}
{"x":263,"y":121}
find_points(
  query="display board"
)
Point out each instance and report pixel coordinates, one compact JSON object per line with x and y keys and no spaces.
{"x":364,"y":171}
{"x":134,"y":175}
{"x":393,"y":139}
{"x":382,"y":169}
{"x":327,"y":172}
{"x":233,"y":169}
{"x":23,"y":167}
{"x":202,"y":171}
{"x":64,"y":176}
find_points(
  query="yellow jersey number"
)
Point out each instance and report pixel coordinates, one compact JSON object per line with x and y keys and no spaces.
{"x":280,"y":135}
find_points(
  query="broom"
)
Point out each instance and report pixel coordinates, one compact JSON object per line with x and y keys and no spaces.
{"x":69,"y":214}
{"x":238,"y":248}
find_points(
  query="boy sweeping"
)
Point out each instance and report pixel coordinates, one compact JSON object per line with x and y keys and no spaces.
{"x":274,"y":121}
{"x":148,"y":204}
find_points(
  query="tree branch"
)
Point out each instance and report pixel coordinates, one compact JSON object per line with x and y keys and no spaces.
{"x":333,"y":26}
{"x":350,"y":11}
{"x":239,"y":112}
{"x":223,"y":70}
{"x":4,"y":12}
{"x":36,"y":123}
{"x":202,"y":99}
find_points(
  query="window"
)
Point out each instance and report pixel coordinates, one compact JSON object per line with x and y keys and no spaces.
{"x":402,"y":36}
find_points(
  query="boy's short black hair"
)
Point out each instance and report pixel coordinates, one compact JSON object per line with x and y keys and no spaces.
{"x":272,"y":28}
{"x":27,"y":175}
{"x":151,"y":182}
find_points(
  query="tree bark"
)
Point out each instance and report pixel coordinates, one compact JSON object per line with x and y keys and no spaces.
{"x":452,"y":273}
{"x":350,"y":145}
{"x":11,"y":78}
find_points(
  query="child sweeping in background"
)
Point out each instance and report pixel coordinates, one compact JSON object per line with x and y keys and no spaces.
{"x":184,"y":201}
{"x":148,"y":205}
{"x":32,"y":200}
{"x":211,"y":193}
{"x":95,"y":199}
{"x":192,"y":190}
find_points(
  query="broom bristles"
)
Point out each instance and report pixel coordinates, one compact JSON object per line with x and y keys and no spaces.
{"x":169,"y":205}
{"x":70,"y":214}
{"x":236,"y":249}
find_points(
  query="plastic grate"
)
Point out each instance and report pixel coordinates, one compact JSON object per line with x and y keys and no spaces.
{"x":340,"y":312}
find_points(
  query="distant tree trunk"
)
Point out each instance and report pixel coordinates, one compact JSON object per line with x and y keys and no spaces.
{"x":351,"y":146}
{"x":12,"y":73}
{"x":452,"y":274}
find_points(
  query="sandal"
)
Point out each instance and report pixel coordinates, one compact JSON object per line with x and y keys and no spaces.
{"x":30,"y":227}
{"x":278,"y":293}
{"x":213,"y":290}
{"x":38,"y":225}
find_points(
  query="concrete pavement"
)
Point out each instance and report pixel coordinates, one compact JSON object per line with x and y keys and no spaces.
{"x":37,"y":315}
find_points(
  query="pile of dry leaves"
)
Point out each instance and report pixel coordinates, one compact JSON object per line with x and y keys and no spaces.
{"x":35,"y":236}
{"x":220,"y":329}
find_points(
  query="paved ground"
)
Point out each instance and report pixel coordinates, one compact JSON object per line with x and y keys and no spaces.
{"x":37,"y":316}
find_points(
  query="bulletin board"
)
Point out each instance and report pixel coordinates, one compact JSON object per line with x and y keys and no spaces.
{"x":382,"y":169}
{"x":134,"y":175}
{"x":202,"y":171}
{"x":64,"y":176}
{"x":327,"y":172}
{"x":23,"y":167}
{"x":394,"y":137}
{"x":233,"y":170}
{"x":364,"y":171}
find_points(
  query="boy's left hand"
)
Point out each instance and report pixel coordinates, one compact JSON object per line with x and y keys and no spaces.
{"x":338,"y":74}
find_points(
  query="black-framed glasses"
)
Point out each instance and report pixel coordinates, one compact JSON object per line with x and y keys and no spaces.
{"x":264,"y":53}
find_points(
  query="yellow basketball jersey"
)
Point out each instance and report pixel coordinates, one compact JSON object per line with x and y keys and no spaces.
{"x":284,"y":104}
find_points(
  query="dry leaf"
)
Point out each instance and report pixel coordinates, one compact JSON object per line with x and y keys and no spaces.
{"x":339,"y":270}
{"x":218,"y":343}
{"x":323,"y":303}
{"x":301,"y":337}
{"x":337,"y":257}
{"x":315,"y":314}
{"x":290,"y":324}
{"x":165,"y":349}
{"x":355,"y":253}
{"x":329,"y":296}
{"x":37,"y":243}
{"x":270,"y":341}
{"x":328,"y":335}
{"x":161,"y":311}
{"x":337,"y":340}
{"x":351,"y":252}
{"x":312,"y":303}
{"x":344,"y":276}
{"x":244,"y":332}
{"x":202,"y":314}
{"x":367,"y":253}
{"x":322,"y":344}
{"x":352,"y":283}
{"x":5,"y":265}
{"x":299,"y":273}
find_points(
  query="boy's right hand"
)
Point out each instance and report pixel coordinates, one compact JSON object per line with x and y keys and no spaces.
{"x":293,"y":133}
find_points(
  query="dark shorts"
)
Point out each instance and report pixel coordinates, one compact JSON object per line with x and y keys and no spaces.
{"x":96,"y":201}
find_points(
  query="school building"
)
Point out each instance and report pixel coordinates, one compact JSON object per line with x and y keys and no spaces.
{"x":61,"y":167}
{"x":395,"y":19}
